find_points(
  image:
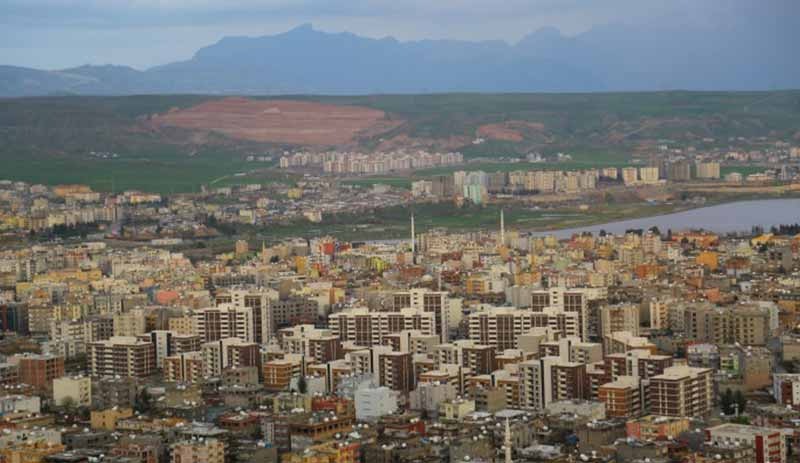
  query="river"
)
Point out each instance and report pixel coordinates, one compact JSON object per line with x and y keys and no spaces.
{"x":740,"y":216}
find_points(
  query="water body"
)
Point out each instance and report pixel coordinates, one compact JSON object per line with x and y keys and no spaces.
{"x":739,"y":216}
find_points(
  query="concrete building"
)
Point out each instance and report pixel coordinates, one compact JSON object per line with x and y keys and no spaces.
{"x":744,"y":324}
{"x":225,"y":321}
{"x":681,"y":391}
{"x":129,"y":323}
{"x":503,"y":326}
{"x":428,"y":395}
{"x":708,"y":170}
{"x":228,"y":353}
{"x":122,"y":356}
{"x":194,"y":451}
{"x":623,"y":317}
{"x":39,"y":370}
{"x":396,"y":371}
{"x":786,"y":389}
{"x":652,"y":427}
{"x":446,"y":309}
{"x":630,"y":176}
{"x":20,"y":404}
{"x":317,"y":345}
{"x":371,"y":403}
{"x":109,"y":392}
{"x":589,"y":410}
{"x":74,"y":389}
{"x":648,"y":175}
{"x":769,"y":443}
{"x":622,"y":397}
{"x":365,"y":328}
{"x":549,"y":379}
{"x":186,"y":367}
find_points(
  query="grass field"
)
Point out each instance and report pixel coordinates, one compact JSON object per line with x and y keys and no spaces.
{"x":393,"y":223}
{"x":399,"y":182}
{"x":744,"y":170}
{"x":164,"y":173}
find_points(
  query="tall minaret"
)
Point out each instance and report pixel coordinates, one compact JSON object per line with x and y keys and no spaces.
{"x":502,"y":228}
{"x":507,"y":442}
{"x":413,"y":240}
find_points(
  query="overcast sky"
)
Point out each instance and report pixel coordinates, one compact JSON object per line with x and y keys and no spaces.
{"x":54,"y":34}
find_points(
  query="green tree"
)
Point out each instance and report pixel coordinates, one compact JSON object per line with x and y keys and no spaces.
{"x":68,"y":403}
{"x":740,"y":401}
{"x":144,"y":402}
{"x":302,"y":385}
{"x":726,"y":402}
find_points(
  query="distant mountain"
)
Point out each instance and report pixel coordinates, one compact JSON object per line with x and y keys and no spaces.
{"x":305,"y":60}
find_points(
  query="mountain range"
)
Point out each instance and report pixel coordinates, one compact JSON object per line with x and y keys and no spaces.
{"x":308,"y":61}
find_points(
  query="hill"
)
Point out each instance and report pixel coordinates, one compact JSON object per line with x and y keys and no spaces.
{"x":192,"y":139}
{"x":307,"y":61}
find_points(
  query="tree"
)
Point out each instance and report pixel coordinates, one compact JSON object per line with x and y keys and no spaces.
{"x":144,"y":402}
{"x":302,"y":386}
{"x":726,"y":402}
{"x":740,"y":401}
{"x":68,"y":403}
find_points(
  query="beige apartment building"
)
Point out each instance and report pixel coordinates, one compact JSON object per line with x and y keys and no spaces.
{"x":195,"y":451}
{"x":77,"y":389}
{"x":746,"y":324}
{"x":122,"y":356}
{"x":681,"y":391}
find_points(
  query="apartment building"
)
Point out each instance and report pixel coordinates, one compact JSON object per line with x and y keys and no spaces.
{"x":660,"y":313}
{"x":446,"y":309}
{"x":228,"y":353}
{"x":681,"y":391}
{"x":317,"y":345}
{"x":412,"y":341}
{"x":623,"y":341}
{"x":786,"y":389}
{"x":637,"y":363}
{"x":708,"y":170}
{"x":364,"y":328}
{"x":194,"y":451}
{"x":39,"y":370}
{"x":396,"y":371}
{"x":75,"y":389}
{"x":480,"y":359}
{"x":130,"y":323}
{"x":278,"y":373}
{"x":575,"y":349}
{"x":630,"y":175}
{"x":622,"y":397}
{"x":549,"y":379}
{"x":744,"y":324}
{"x":648,"y":175}
{"x":186,"y":367}
{"x":225,"y":321}
{"x":502,"y":326}
{"x":122,"y":356}
{"x":623,"y":317}
{"x":769,"y":443}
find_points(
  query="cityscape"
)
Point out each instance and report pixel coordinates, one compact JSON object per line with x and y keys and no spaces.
{"x":436,"y":232}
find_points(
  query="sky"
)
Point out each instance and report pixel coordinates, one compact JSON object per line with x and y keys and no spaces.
{"x":56,"y":34}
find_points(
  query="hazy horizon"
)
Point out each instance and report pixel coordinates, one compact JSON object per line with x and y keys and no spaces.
{"x":58,"y":34}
